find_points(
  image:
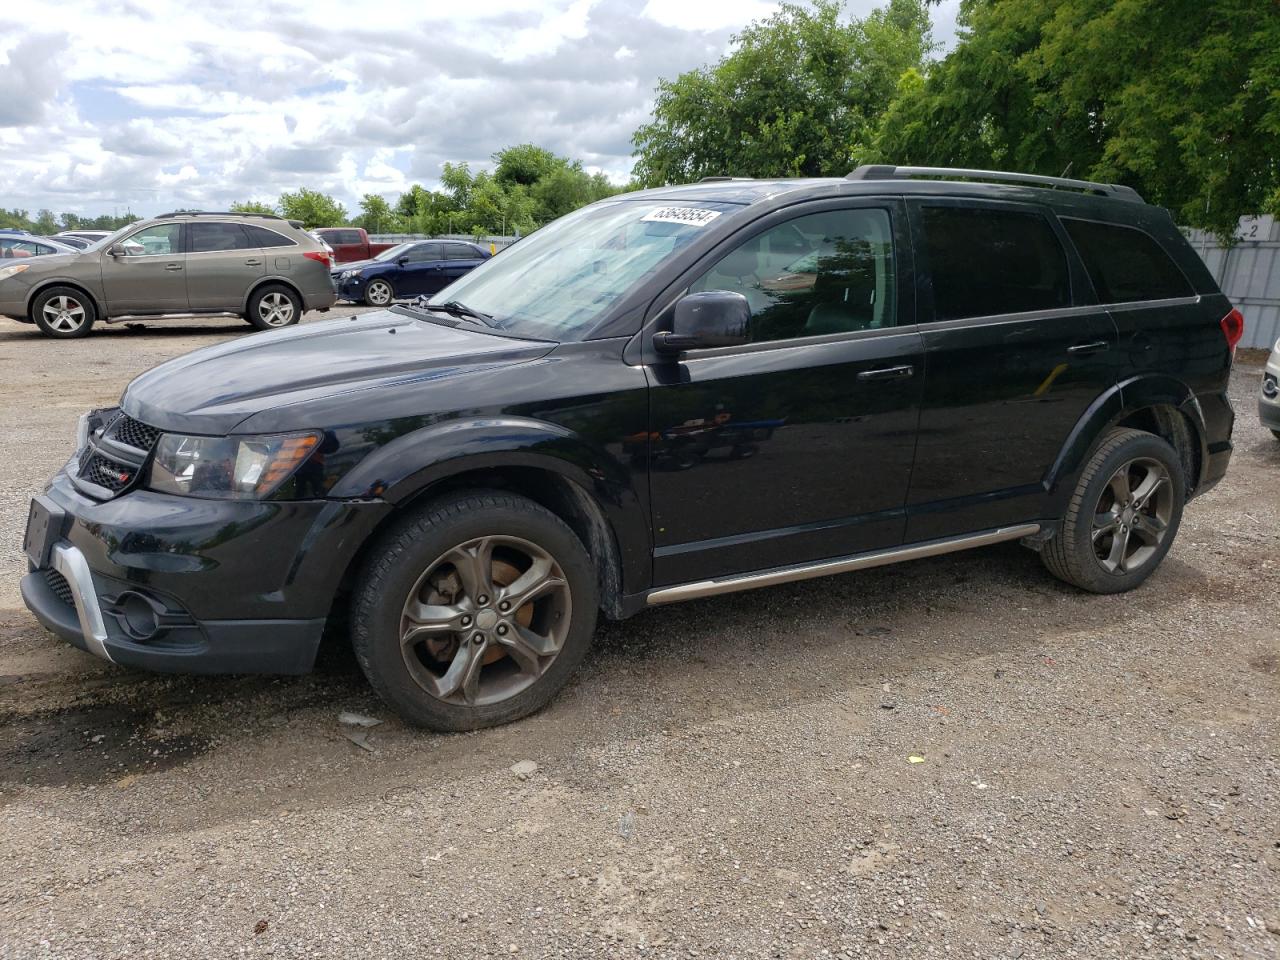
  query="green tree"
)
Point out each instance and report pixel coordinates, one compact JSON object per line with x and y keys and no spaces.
{"x":253,"y":206}
{"x":46,"y":223}
{"x":313,"y":208}
{"x":1174,"y":98}
{"x":801,"y":91}
{"x":376,"y":215}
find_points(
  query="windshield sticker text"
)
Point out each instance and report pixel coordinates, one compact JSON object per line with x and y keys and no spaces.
{"x":689,"y":216}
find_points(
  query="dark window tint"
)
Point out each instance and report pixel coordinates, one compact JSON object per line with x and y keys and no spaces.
{"x":823,"y":273}
{"x":1126,"y":264}
{"x":343,"y":237}
{"x":262,"y":237}
{"x":985,"y":261}
{"x":460,"y":251}
{"x":216,"y":237}
{"x":424,"y":252}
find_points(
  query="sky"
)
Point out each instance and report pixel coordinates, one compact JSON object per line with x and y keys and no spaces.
{"x":108,"y":105}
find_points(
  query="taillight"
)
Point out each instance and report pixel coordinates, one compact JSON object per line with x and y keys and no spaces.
{"x":1233,"y":328}
{"x":322,"y":257}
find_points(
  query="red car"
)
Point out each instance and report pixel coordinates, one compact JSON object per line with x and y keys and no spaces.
{"x":350,"y":243}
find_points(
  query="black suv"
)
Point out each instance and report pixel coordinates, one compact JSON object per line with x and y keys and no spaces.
{"x":672,"y":394}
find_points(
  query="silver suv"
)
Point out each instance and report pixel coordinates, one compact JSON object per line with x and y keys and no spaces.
{"x":259,"y":267}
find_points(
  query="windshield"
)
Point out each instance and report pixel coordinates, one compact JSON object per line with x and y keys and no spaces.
{"x":400,"y":249}
{"x":111,"y":237}
{"x":555,"y":283}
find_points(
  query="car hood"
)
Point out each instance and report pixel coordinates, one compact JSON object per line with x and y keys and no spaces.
{"x":356,"y":265}
{"x":290,"y":378}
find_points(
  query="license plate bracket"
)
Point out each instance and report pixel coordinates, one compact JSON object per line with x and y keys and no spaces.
{"x":44,"y":527}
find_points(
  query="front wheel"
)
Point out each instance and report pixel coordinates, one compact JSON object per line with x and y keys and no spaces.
{"x":474,"y":611}
{"x":63,"y":313}
{"x":274,"y":306}
{"x":1123,"y":515}
{"x":378,"y":293}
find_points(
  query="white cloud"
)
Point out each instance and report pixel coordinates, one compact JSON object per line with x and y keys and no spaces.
{"x":166,"y":105}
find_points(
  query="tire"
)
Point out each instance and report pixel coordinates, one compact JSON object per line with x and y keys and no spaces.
{"x":274,"y":306}
{"x":1276,"y":434}
{"x":63,"y":313}
{"x":1134,"y":534}
{"x":379,"y":293}
{"x":521,"y":657}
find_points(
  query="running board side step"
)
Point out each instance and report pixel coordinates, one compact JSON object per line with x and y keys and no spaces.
{"x":180,"y":315}
{"x":826,"y":568}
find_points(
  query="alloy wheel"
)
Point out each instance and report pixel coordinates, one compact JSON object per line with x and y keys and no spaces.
{"x":1133,"y":514}
{"x":64,"y":314}
{"x":276,"y":310}
{"x":378,"y":293}
{"x":485,"y":620}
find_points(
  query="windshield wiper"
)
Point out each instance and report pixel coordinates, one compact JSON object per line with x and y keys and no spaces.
{"x":459,"y":309}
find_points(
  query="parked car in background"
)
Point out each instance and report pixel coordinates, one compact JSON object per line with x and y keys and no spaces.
{"x":969,"y":358}
{"x":92,"y":236}
{"x":407,"y":270}
{"x":1269,"y":398}
{"x":76,"y":243}
{"x":17,"y":246}
{"x":324,"y":245}
{"x":350,"y":244}
{"x":259,"y":267}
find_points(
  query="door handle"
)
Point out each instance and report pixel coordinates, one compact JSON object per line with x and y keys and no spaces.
{"x":173,"y":266}
{"x":888,"y":373}
{"x":1096,"y":346}
{"x":253,"y":263}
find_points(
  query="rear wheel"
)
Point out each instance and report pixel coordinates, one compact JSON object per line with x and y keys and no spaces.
{"x":378,"y":293}
{"x":1123,"y":516}
{"x":63,"y":312}
{"x":1276,"y":434}
{"x":474,"y":611}
{"x":274,"y":306}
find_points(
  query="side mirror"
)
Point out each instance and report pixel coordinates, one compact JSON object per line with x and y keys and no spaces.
{"x":401,"y":261}
{"x":714,"y":318}
{"x":116,"y":250}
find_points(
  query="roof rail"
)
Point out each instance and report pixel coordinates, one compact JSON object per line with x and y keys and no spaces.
{"x":216,"y":213}
{"x":878,"y":171}
{"x":721,"y":179}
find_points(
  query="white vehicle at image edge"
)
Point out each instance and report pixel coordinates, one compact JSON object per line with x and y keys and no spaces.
{"x":1269,"y":398}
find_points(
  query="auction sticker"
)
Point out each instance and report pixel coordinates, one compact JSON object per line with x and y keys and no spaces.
{"x":689,"y":216}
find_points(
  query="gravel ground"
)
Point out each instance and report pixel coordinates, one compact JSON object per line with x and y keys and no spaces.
{"x":725,"y":778}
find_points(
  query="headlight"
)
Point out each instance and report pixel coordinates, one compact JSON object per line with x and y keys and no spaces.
{"x":234,"y":468}
{"x":348,"y":274}
{"x":13,"y":271}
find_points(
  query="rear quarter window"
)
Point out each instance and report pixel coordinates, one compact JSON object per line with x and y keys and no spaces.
{"x":262,"y":237}
{"x":1126,"y":264}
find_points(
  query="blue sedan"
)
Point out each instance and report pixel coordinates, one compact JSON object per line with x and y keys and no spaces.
{"x":407,"y":270}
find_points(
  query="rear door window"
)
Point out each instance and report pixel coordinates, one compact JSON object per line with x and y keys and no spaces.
{"x":216,"y":237}
{"x":1126,"y":264}
{"x":986,"y":261}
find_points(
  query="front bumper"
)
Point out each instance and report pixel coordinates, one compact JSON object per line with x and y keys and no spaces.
{"x":195,"y":586}
{"x":1269,"y":397}
{"x":350,"y":289}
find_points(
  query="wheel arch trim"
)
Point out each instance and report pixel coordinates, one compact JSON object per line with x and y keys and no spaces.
{"x":413,"y":465}
{"x":1123,"y":400}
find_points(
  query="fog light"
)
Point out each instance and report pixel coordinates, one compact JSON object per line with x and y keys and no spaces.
{"x":1269,"y":387}
{"x":138,"y":615}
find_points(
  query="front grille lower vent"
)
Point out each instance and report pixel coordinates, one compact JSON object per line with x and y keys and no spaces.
{"x":58,"y":584}
{"x":105,"y":473}
{"x":133,"y":433}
